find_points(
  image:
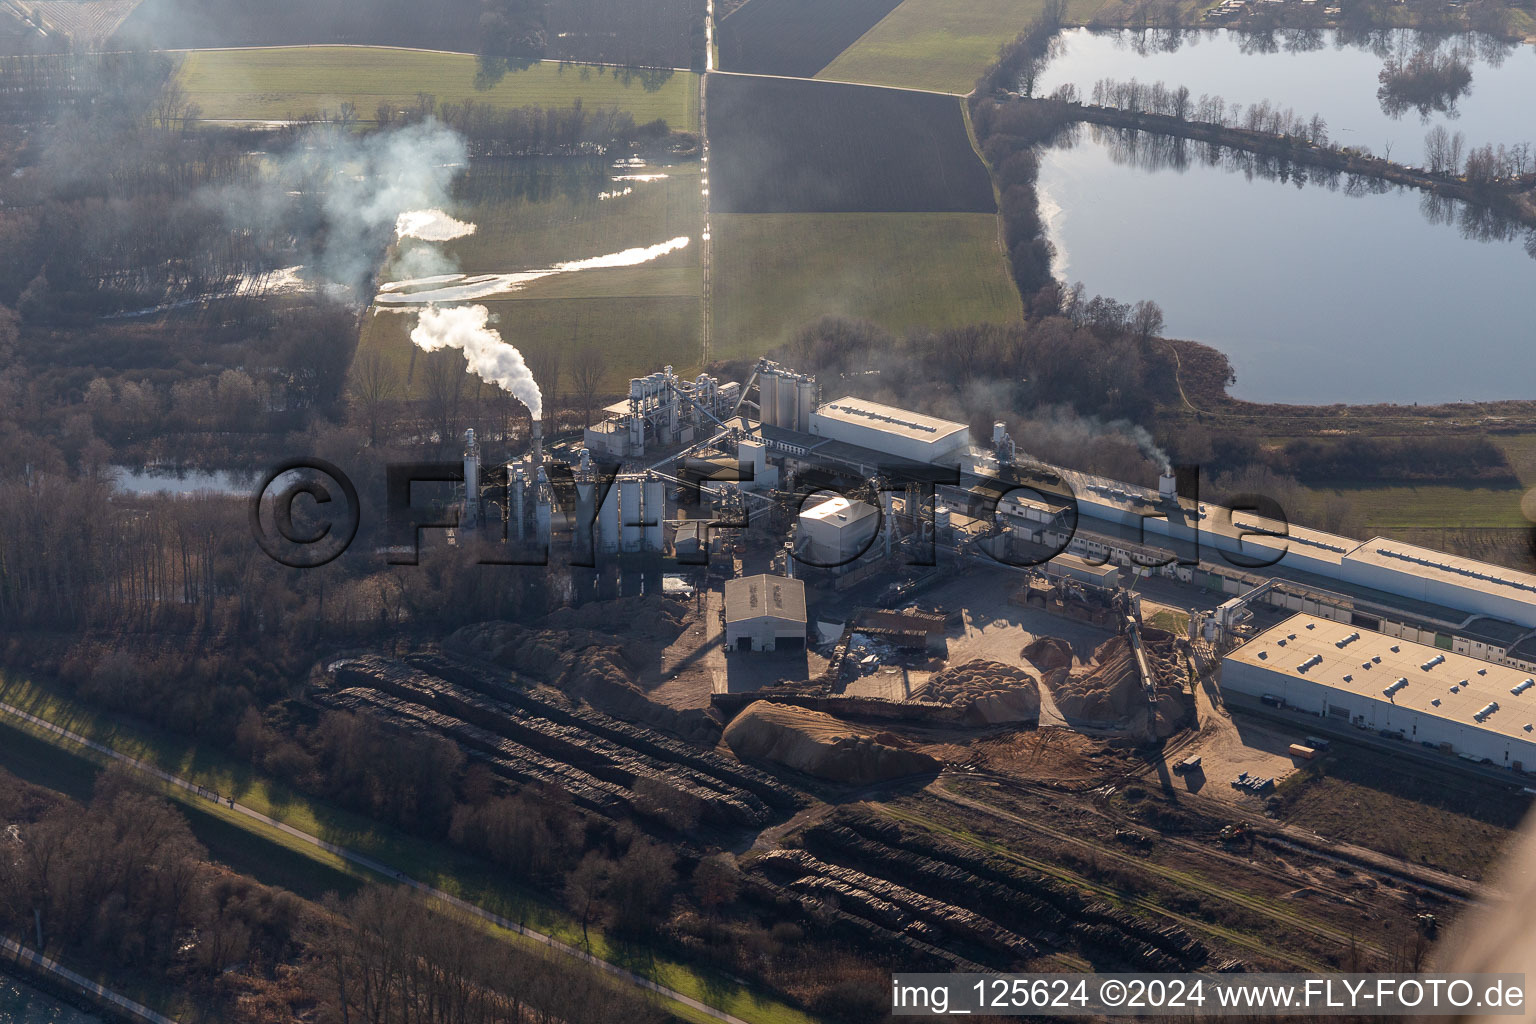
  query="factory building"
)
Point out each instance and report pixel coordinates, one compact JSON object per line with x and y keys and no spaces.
{"x":1098,"y":574}
{"x":834,"y":532}
{"x":1412,"y":691}
{"x":764,"y":613}
{"x":662,"y":409}
{"x":887,"y":429}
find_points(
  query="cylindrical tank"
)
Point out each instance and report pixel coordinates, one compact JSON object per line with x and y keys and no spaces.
{"x":768,"y":398}
{"x":805,"y":400}
{"x":608,"y":520}
{"x":786,"y":416}
{"x":631,"y":534}
{"x":655,"y":509}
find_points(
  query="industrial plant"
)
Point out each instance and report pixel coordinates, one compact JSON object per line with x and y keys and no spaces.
{"x":845,"y":495}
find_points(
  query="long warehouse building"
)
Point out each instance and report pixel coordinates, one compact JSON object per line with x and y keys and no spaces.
{"x":1372,"y":681}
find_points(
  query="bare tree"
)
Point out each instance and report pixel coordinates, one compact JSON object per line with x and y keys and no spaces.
{"x":545,"y":366}
{"x":587,"y":377}
{"x":442,"y":385}
{"x":374,"y":382}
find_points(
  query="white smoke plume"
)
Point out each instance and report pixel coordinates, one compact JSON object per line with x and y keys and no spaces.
{"x":435,"y":285}
{"x":431,"y":226}
{"x":467,"y":328}
{"x":344,"y":195}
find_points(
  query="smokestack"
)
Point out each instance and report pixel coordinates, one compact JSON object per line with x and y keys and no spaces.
{"x":1167,"y":486}
{"x":538,"y":442}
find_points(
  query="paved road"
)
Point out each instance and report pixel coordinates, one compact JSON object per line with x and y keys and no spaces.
{"x":83,"y":983}
{"x":376,"y":866}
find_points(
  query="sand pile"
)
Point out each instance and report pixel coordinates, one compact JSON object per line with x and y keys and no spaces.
{"x":1103,"y":693}
{"x":990,"y":692}
{"x":823,"y":746}
{"x":1048,"y":652}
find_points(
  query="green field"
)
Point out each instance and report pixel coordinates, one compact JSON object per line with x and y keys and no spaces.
{"x":435,"y":864}
{"x":776,"y":272}
{"x":291,"y":81}
{"x":545,"y":213}
{"x":1435,"y":507}
{"x":943,"y":45}
{"x":1449,"y":507}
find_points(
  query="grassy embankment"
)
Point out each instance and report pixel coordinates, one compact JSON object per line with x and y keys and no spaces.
{"x":291,"y":81}
{"x":1425,"y":814}
{"x":946,"y":44}
{"x":775,"y":272}
{"x":640,"y":317}
{"x":251,"y":846}
{"x":1394,"y":509}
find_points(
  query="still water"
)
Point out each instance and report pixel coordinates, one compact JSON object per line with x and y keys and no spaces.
{"x":1316,"y":72}
{"x":1317,"y":295}
{"x":22,"y":1005}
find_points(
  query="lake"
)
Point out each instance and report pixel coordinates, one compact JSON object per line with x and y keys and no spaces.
{"x":22,"y":1005}
{"x":1316,"y":295}
{"x":1313,"y":72}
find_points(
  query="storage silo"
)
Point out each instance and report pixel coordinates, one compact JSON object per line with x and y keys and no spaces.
{"x":768,"y":397}
{"x":655,"y":509}
{"x":631,"y":534}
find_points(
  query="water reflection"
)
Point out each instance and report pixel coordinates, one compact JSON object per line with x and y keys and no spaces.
{"x":1333,"y":72}
{"x":1352,"y":290}
{"x":1150,"y":152}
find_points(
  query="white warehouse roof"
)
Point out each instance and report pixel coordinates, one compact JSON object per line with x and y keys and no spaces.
{"x":1439,"y":683}
{"x":838,"y":511}
{"x":887,"y":429}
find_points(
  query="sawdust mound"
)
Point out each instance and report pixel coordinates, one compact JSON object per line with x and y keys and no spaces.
{"x":990,"y":692}
{"x":650,"y":618}
{"x":1048,"y":652}
{"x":1103,"y":693}
{"x":823,"y":746}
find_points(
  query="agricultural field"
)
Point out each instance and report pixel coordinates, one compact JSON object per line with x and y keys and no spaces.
{"x":794,"y":37}
{"x":289,"y":82}
{"x":943,"y":45}
{"x":538,"y":214}
{"x":639,"y":33}
{"x":789,"y":146}
{"x":774,"y":273}
{"x":187,"y":24}
{"x":88,"y":22}
{"x":642,"y":33}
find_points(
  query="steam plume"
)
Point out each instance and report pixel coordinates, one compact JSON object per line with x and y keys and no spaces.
{"x":431,"y":226}
{"x":467,"y":329}
{"x":344,"y":195}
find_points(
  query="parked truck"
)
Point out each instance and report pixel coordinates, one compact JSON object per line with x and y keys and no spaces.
{"x":1302,"y":751}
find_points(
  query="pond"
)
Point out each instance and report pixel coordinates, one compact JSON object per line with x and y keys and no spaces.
{"x":22,"y":1005}
{"x":1318,"y":72}
{"x":1319,"y":290}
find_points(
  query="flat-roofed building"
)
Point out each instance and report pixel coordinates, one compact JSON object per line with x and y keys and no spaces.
{"x":1098,"y":574}
{"x":1434,"y":576}
{"x":833,"y":533}
{"x":764,"y":613}
{"x":1419,"y":693}
{"x":885,"y":428}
